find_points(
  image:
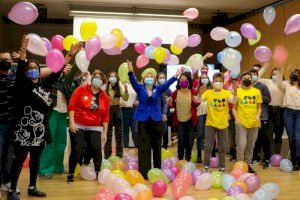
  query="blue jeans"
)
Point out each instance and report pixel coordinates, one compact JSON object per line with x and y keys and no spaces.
{"x":291,"y":119}
{"x":185,"y":140}
{"x":200,"y":131}
{"x":6,"y":154}
{"x":128,"y":122}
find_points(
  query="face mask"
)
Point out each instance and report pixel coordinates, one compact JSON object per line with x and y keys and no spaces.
{"x":112,"y":80}
{"x":254,"y":78}
{"x":161,"y":80}
{"x":97,"y":82}
{"x":33,"y":74}
{"x":204,"y":81}
{"x":5,"y":65}
{"x":149,"y":81}
{"x":247,"y":82}
{"x":184,"y":84}
{"x":233,"y":75}
{"x":294,"y":77}
{"x":274,"y":77}
{"x":217,"y":85}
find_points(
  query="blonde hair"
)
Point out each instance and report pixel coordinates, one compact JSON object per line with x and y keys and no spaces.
{"x":102,"y":75}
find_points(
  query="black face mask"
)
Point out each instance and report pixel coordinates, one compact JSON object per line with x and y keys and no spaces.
{"x":294,"y":77}
{"x":5,"y":65}
{"x":247,"y":82}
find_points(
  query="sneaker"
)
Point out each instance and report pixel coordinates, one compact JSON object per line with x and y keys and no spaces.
{"x":233,"y":159}
{"x":250,"y":170}
{"x":70,"y":178}
{"x":6,"y":187}
{"x":33,"y":191}
{"x":266,"y":164}
{"x":206,"y":169}
{"x":223,"y":171}
{"x":296,"y":167}
{"x":255,"y":162}
{"x":13,"y":195}
{"x":46,"y":176}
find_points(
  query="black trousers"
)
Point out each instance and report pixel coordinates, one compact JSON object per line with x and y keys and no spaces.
{"x":165,"y":135}
{"x":149,"y":137}
{"x":115,"y":120}
{"x":21,"y":153}
{"x":85,"y":139}
{"x":277,"y":124}
{"x":263,"y":141}
{"x":185,"y":140}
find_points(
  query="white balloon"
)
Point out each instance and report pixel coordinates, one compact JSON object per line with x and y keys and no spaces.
{"x":36,"y":45}
{"x":103,"y":175}
{"x":219,"y":33}
{"x":261,"y":194}
{"x":108,"y":41}
{"x":181,"y":41}
{"x":88,"y":173}
{"x":119,"y":184}
{"x":233,"y":39}
{"x":173,"y":60}
{"x":273,"y":189}
{"x":231,"y":58}
{"x":140,"y":187}
{"x":81,"y":61}
{"x":269,"y":14}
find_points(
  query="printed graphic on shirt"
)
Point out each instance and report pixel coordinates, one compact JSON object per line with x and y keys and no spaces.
{"x":248,"y":100}
{"x":43,"y":95}
{"x":218,"y":103}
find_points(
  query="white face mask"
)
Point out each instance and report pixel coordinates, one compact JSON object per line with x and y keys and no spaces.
{"x":161,"y":80}
{"x":112,"y":80}
{"x":217,"y":85}
{"x":97,"y":82}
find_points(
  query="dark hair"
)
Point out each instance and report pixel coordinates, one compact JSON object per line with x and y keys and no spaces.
{"x":32,"y":61}
{"x":4,"y":51}
{"x":253,"y":71}
{"x":200,"y":84}
{"x":245,"y":74}
{"x":295,"y":71}
{"x":115,"y":87}
{"x":218,"y":75}
{"x":189,"y":77}
{"x":256,"y":65}
{"x":160,"y":73}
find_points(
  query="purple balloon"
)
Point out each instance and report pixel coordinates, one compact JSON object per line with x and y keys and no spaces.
{"x":275,"y":160}
{"x":195,"y":175}
{"x":131,"y":165}
{"x":170,"y":174}
{"x":47,"y":44}
{"x":130,"y":158}
{"x":263,"y":54}
{"x":166,"y":163}
{"x":194,"y":40}
{"x":112,"y":52}
{"x":123,"y":196}
{"x":214,"y":162}
{"x":234,"y":190}
{"x":125,"y":44}
{"x":168,"y":56}
{"x":292,"y":25}
{"x":156,"y":42}
{"x":252,"y":183}
{"x":23,"y":13}
{"x":249,"y":31}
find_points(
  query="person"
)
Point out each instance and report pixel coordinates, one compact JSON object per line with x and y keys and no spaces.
{"x":185,"y":115}
{"x":31,"y":129}
{"x":275,"y":106}
{"x":165,"y":110}
{"x":115,"y":90}
{"x":234,"y":79}
{"x":291,"y":115}
{"x":88,"y":111}
{"x":246,"y":113}
{"x":204,"y":84}
{"x":216,"y":123}
{"x":149,"y":117}
{"x":264,"y":138}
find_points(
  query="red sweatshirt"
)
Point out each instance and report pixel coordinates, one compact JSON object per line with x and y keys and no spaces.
{"x":80,"y":103}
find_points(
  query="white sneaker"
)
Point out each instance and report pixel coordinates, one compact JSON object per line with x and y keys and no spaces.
{"x":6,"y":187}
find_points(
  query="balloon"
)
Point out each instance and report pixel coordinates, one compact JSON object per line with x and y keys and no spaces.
{"x":170,"y":174}
{"x":217,"y":183}
{"x":252,"y":183}
{"x":112,"y":52}
{"x":36,"y":45}
{"x":280,"y":55}
{"x":106,"y":164}
{"x":155,"y":174}
{"x":191,"y":13}
{"x":140,"y":187}
{"x":263,"y":54}
{"x":187,"y":198}
{"x":166,"y":163}
{"x":189,"y":167}
{"x":195,"y":61}
{"x":258,"y":37}
{"x":241,"y":165}
{"x":125,"y":44}
{"x":181,"y":41}
{"x":243,"y":177}
{"x":23,"y":13}
{"x":261,"y":194}
{"x":26,"y":162}
{"x":234,"y":190}
{"x":194,"y":40}
{"x":185,"y":177}
{"x":159,"y":188}
{"x":119,"y":184}
{"x":131,"y":165}
{"x":168,"y":55}
{"x":118,"y":173}
{"x":230,"y":58}
{"x":204,"y":182}
{"x":88,"y":29}
{"x":286,"y":165}
{"x":57,"y":42}
{"x":233,"y":39}
{"x":140,"y":48}
{"x":214,"y":162}
{"x":77,"y":170}
{"x":129,"y":159}
{"x":92,"y":47}
{"x":88,"y":173}
{"x":69,"y":41}
{"x":229,"y":198}
{"x":241,"y":184}
{"x":120,"y":165}
{"x":275,"y":159}
{"x":269,"y":14}
{"x":242,"y":196}
{"x":227,"y":181}
{"x":195,"y":175}
{"x":144,"y":195}
{"x":110,"y":180}
{"x":248,"y":31}
{"x":108,"y":41}
{"x":55,"y":60}
{"x":219,"y":57}
{"x":236,"y":173}
{"x":175,"y":50}
{"x":81,"y":61}
{"x":194,"y":156}
{"x":176,"y":170}
{"x":292,"y":25}
{"x":105,"y":190}
{"x":159,"y":55}
{"x":174,"y":159}
{"x":219,"y":33}
{"x":131,"y":192}
{"x":134,"y":177}
{"x":156,"y":42}
{"x":104,"y":196}
{"x":119,"y":35}
{"x":178,"y":189}
{"x":47,"y":44}
{"x":173,"y":60}
{"x":123,"y":196}
{"x":103,"y":175}
{"x":149,"y":51}
{"x":181,"y":163}
{"x":123,"y":72}
{"x":272,"y":189}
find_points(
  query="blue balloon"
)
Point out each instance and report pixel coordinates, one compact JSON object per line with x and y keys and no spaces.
{"x":286,"y":165}
{"x":227,"y":181}
{"x":149,"y":51}
{"x":219,"y":57}
{"x":261,"y":194}
{"x":233,"y":39}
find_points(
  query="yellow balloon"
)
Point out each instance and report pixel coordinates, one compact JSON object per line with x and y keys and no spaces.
{"x":88,"y":29}
{"x":77,"y":170}
{"x":118,"y":33}
{"x":69,"y":41}
{"x":144,"y":195}
{"x":134,"y":177}
{"x":181,"y":163}
{"x":175,"y":50}
{"x":253,"y":42}
{"x":118,"y":173}
{"x":159,"y":54}
{"x":120,"y":165}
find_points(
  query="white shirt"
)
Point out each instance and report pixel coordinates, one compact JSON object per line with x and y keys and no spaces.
{"x":61,"y":104}
{"x":131,"y":98}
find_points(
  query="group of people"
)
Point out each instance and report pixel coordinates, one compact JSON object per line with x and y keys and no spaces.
{"x":243,"y":111}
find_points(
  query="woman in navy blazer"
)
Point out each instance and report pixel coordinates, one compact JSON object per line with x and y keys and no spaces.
{"x":149,"y":117}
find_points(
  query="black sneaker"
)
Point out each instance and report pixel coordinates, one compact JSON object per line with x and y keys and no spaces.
{"x":70,"y":178}
{"x":255,"y":162}
{"x":13,"y":195}
{"x":266,"y":164}
{"x":233,"y":159}
{"x":46,"y":176}
{"x":223,"y":171}
{"x":35,"y":192}
{"x":206,"y":169}
{"x":250,"y":170}
{"x":296,"y":167}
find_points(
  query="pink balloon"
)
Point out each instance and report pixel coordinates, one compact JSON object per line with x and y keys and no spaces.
{"x":204,"y":182}
{"x":167,"y":56}
{"x":243,"y":177}
{"x":280,"y":55}
{"x":106,"y":191}
{"x":57,"y":42}
{"x":253,"y":183}
{"x":275,"y":159}
{"x":234,"y":190}
{"x":123,"y":196}
{"x":195,"y":175}
{"x":103,"y":196}
{"x":214,"y":162}
{"x":194,"y":40}
{"x":55,"y":60}
{"x":108,"y":41}
{"x":92,"y":47}
{"x":156,"y":42}
{"x":249,"y":31}
{"x":218,"y":33}
{"x":181,"y":41}
{"x":292,"y":25}
{"x":47,"y":44}
{"x":142,"y":61}
{"x":159,"y":188}
{"x":140,"y":48}
{"x":170,"y":174}
{"x":131,"y":192}
{"x":125,"y":44}
{"x":113,"y":51}
{"x":176,"y":170}
{"x":263,"y":54}
{"x":178,"y":189}
{"x":173,"y":60}
{"x":23,"y":13}
{"x":87,"y":173}
{"x":191,"y":13}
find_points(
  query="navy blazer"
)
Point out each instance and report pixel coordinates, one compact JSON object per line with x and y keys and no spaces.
{"x":149,"y":107}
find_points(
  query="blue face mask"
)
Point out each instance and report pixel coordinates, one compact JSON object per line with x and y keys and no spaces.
{"x":97,"y":82}
{"x":112,"y":80}
{"x":149,"y":81}
{"x":234,"y":75}
{"x":204,"y":81}
{"x":254,"y":78}
{"x":274,"y":78}
{"x":33,"y":74}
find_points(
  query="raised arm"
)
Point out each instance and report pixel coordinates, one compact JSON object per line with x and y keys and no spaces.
{"x":161,"y":89}
{"x":124,"y":91}
{"x":135,"y":85}
{"x":280,"y":83}
{"x":263,"y":69}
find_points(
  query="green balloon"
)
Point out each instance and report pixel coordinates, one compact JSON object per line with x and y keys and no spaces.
{"x":106,"y":165}
{"x":123,"y":72}
{"x":156,"y":174}
{"x":217,"y":184}
{"x":194,"y":156}
{"x":114,"y":159}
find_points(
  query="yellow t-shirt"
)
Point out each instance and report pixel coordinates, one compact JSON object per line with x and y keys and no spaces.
{"x":247,"y":106}
{"x":217,"y":108}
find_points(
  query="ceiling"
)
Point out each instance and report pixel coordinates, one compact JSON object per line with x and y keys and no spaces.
{"x":59,"y":9}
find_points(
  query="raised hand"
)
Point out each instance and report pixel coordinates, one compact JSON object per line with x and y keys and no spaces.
{"x":178,"y":72}
{"x":75,"y":48}
{"x":130,"y":68}
{"x":24,"y":43}
{"x":208,"y":55}
{"x":15,"y":55}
